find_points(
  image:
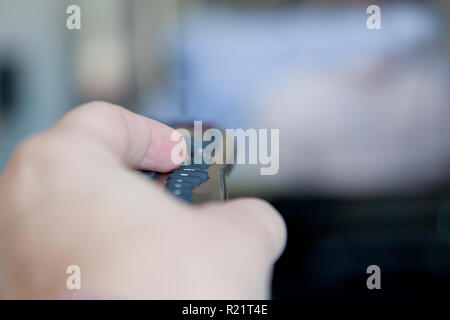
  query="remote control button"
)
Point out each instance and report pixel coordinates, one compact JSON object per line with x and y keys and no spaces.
{"x":180,"y":185}
{"x":202,"y":166}
{"x":182,"y":194}
{"x":197,"y":165}
{"x":200,"y":174}
{"x":178,"y":191}
{"x":190,"y":169}
{"x":184,"y":177}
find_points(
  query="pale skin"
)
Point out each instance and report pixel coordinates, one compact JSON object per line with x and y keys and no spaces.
{"x":71,"y":196}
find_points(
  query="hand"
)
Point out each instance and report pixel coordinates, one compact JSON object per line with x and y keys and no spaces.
{"x":69,"y":196}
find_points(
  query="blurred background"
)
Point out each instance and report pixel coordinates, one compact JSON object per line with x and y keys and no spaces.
{"x":363,"y":115}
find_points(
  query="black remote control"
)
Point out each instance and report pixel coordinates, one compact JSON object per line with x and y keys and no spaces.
{"x":195,"y":183}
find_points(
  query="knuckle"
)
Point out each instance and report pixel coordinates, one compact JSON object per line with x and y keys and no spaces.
{"x":35,"y":154}
{"x":26,"y":151}
{"x":95,"y":109}
{"x":102,"y":107}
{"x":94,"y":117}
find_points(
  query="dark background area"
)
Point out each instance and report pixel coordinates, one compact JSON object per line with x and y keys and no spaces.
{"x":332,"y":242}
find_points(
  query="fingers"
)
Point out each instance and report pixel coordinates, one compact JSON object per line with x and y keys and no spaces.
{"x":259,"y":221}
{"x":137,"y":141}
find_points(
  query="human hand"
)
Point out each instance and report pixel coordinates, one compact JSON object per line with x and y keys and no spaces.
{"x":70,"y":196}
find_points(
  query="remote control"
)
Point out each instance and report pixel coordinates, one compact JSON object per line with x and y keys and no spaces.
{"x":195,"y":183}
